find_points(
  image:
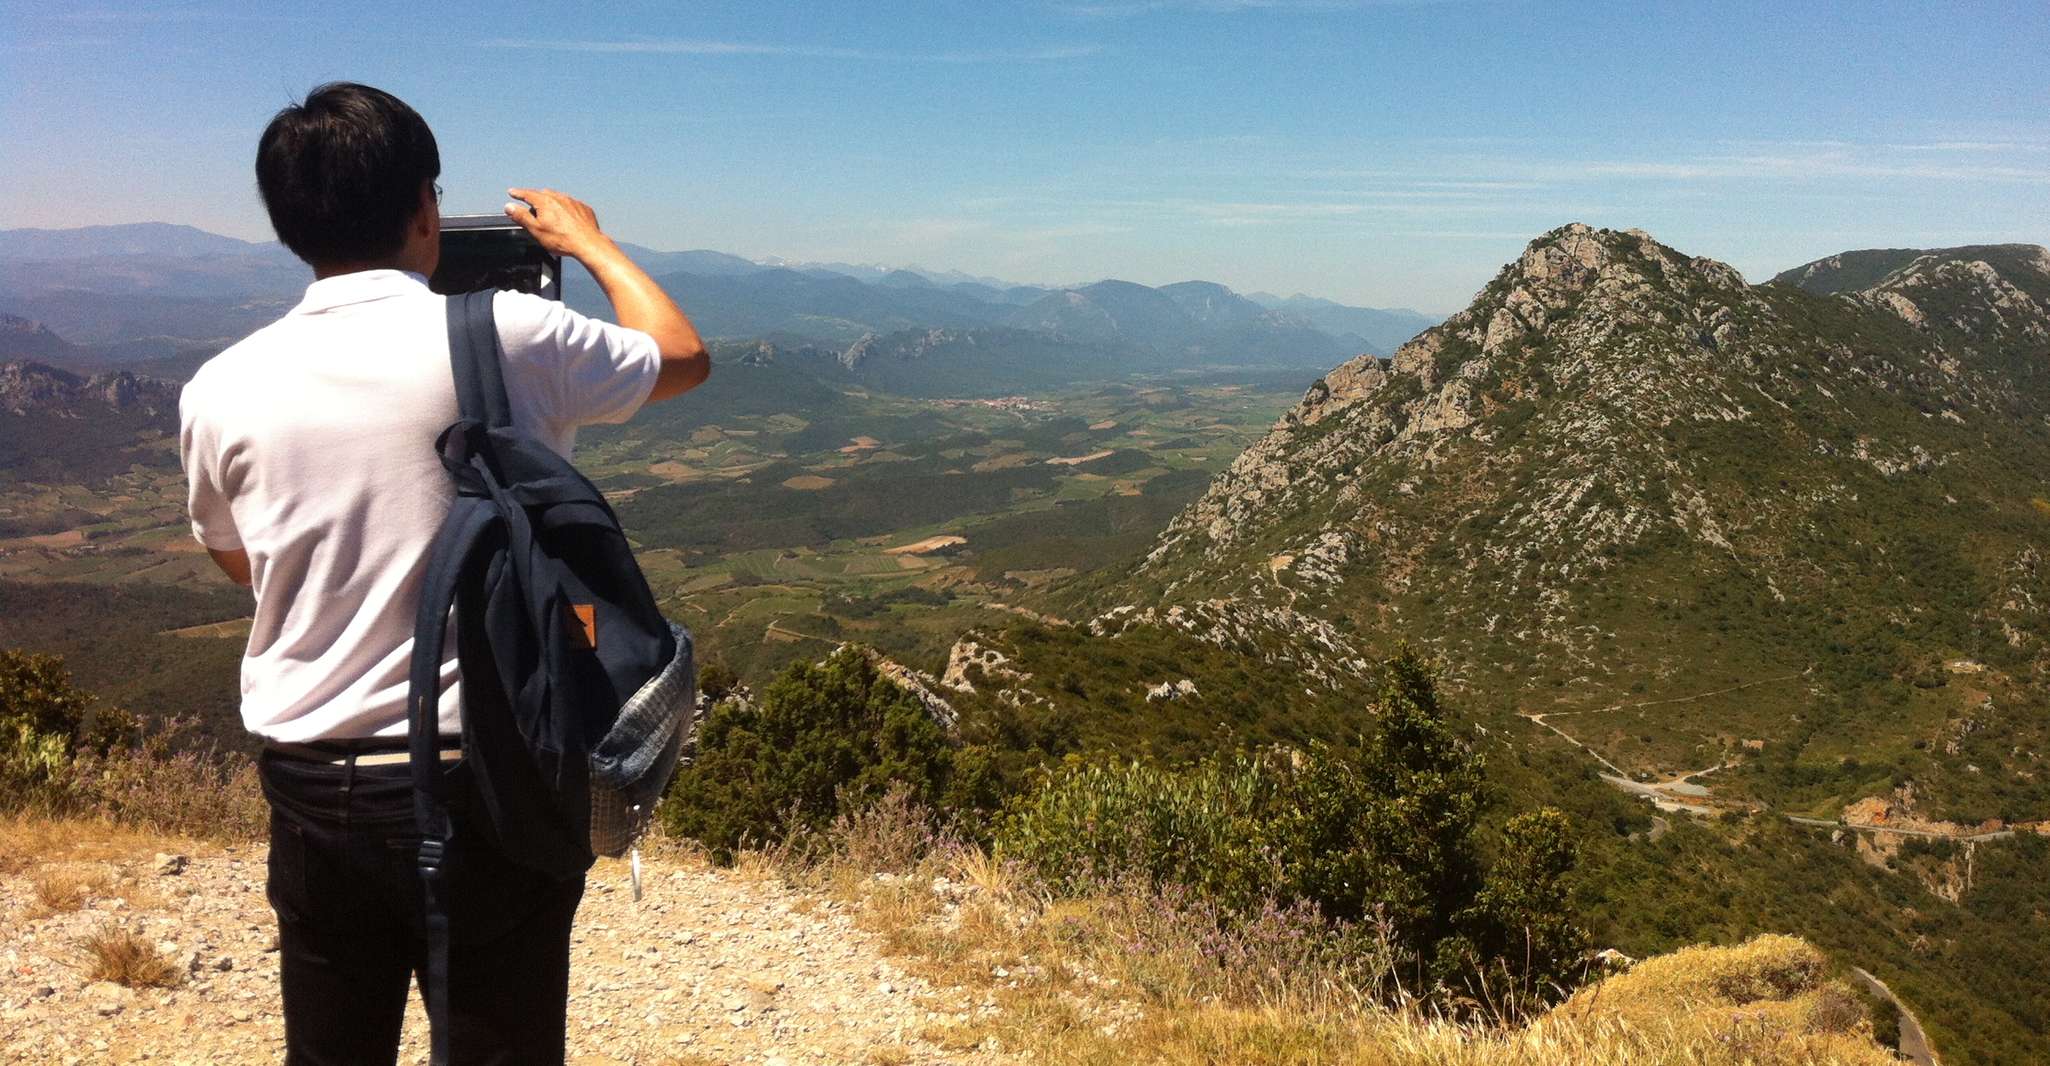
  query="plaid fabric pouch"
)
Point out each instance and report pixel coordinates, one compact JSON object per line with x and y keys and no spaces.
{"x":632,"y":766}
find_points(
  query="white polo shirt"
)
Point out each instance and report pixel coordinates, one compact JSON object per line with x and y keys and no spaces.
{"x":310,"y":445}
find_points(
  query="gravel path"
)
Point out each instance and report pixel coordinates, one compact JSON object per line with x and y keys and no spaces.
{"x":709,"y":967}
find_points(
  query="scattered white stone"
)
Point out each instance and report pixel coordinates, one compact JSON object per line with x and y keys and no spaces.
{"x":106,"y":998}
{"x":652,"y":979}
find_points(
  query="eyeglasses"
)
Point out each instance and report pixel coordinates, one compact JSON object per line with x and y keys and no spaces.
{"x":437,"y":193}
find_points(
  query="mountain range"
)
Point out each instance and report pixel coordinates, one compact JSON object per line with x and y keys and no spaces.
{"x":1734,"y":556}
{"x":1623,"y":472}
{"x":57,"y":427}
{"x":169,"y":295}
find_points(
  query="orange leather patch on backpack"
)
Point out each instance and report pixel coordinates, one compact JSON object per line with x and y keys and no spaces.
{"x":583,"y":625}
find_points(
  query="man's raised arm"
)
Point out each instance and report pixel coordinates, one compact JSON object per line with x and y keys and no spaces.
{"x":568,"y":227}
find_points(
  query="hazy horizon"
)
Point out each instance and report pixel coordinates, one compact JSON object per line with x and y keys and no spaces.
{"x":1384,"y":154}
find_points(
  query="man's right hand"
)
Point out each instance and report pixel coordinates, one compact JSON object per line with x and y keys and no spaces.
{"x":567,"y":227}
{"x":564,"y":225}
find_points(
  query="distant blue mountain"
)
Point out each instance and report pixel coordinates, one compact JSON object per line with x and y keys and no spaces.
{"x":149,"y":291}
{"x":127,"y":239}
{"x":701,"y":261}
{"x":1379,"y":330}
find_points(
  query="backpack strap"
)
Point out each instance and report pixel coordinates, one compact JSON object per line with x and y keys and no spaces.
{"x":480,"y":396}
{"x":474,"y":356}
{"x":455,"y":547}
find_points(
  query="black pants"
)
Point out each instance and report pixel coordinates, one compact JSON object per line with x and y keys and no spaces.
{"x":352,"y":931}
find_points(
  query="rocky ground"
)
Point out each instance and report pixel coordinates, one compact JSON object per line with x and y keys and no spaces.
{"x":711,"y":966}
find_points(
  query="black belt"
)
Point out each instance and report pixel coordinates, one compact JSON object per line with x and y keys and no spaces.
{"x":366,"y":751}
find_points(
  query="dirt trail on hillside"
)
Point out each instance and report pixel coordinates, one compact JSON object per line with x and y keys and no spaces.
{"x":710,"y":967}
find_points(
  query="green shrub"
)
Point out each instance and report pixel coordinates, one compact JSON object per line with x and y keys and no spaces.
{"x":62,"y":753}
{"x":1523,"y":918}
{"x":1380,"y":832}
{"x":45,"y":721}
{"x":1093,"y":824}
{"x":1884,"y":1016}
{"x":824,"y":737}
{"x":32,"y":764}
{"x":716,"y":680}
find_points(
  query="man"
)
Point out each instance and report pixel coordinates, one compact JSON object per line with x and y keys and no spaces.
{"x":309,"y":452}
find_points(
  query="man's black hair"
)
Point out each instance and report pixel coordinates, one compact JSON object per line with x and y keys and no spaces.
{"x":341,"y":173}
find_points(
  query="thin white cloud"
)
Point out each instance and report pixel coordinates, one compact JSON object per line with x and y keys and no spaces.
{"x":1958,"y":145}
{"x":1366,"y":212}
{"x":1972,"y":146}
{"x":1811,"y":166}
{"x":708,"y":47}
{"x":1788,"y":144}
{"x":1985,"y":161}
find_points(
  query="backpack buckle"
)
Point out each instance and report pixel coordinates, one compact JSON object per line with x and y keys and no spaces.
{"x":432,"y":852}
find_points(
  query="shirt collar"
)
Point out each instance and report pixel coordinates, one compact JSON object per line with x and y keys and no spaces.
{"x":359,"y":287}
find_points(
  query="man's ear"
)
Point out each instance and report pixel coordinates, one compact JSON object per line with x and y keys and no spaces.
{"x":427,"y":222}
{"x":424,"y":236}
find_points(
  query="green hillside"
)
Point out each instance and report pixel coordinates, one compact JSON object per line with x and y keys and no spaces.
{"x":1869,"y":267}
{"x":1627,"y":487}
{"x":1766,"y":552}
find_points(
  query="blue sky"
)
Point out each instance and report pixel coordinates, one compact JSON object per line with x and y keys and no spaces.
{"x":1380,"y":153}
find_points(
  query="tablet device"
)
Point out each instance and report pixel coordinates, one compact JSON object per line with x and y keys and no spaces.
{"x":493,"y":252}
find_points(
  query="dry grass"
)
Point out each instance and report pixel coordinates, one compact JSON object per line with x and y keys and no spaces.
{"x":892,"y":834}
{"x":193,"y":794}
{"x":64,"y":888}
{"x":1128,"y":978}
{"x":757,"y":866}
{"x":204,"y":794}
{"x":986,"y":874}
{"x":113,"y":953}
{"x":28,"y":841}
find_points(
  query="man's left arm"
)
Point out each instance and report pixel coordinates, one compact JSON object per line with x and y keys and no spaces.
{"x":213,"y":523}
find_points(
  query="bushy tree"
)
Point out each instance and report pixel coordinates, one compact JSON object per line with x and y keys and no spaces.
{"x":1523,"y":924}
{"x":46,"y":721}
{"x":823,"y":737}
{"x":1422,"y":790}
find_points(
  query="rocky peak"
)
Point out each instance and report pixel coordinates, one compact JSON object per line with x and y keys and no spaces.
{"x":1577,"y":258}
{"x":903,"y":344}
{"x":1571,"y":287}
{"x":860,"y":351}
{"x":1981,"y":292}
{"x":1625,"y":464}
{"x":1596,"y":363}
{"x":34,"y":388}
{"x":26,"y":338}
{"x":1564,"y":261}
